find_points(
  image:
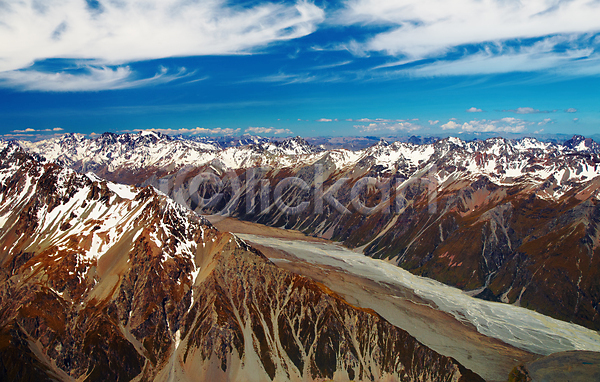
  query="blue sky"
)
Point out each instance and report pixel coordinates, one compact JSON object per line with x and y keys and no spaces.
{"x":360,"y":67}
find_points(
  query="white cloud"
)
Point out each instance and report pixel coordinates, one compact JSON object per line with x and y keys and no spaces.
{"x":504,"y":34}
{"x":196,"y":131}
{"x":474,"y":110}
{"x":267,"y":130}
{"x":450,"y":125}
{"x":545,"y":121}
{"x":92,"y":79}
{"x":432,"y":123}
{"x":30,"y":130}
{"x":507,"y":125}
{"x":284,"y":78}
{"x":505,"y":58}
{"x":380,"y":120}
{"x":524,"y":110}
{"x":426,"y":28}
{"x":123,"y":31}
{"x":528,"y":110}
{"x":388,"y":126}
{"x":571,"y":110}
{"x":324,"y":120}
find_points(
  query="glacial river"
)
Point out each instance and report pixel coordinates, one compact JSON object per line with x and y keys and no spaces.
{"x":519,"y":327}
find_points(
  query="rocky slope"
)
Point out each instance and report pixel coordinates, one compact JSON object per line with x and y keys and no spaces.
{"x":107,"y":282}
{"x":563,"y":366}
{"x":511,"y":221}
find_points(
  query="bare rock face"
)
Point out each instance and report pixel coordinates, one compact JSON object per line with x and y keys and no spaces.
{"x":101,"y":281}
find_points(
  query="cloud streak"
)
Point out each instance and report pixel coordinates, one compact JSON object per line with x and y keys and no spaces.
{"x":196,"y":131}
{"x":528,"y":110}
{"x":115,"y":33}
{"x":466,"y":37}
{"x":426,"y":28}
{"x":88,"y":78}
{"x":102,"y":39}
{"x":267,"y":130}
{"x":374,"y":127}
{"x":505,"y":125}
{"x":30,"y":130}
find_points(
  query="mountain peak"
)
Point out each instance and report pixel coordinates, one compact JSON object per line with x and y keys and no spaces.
{"x":297,"y":146}
{"x":582,"y":144}
{"x":383,"y":142}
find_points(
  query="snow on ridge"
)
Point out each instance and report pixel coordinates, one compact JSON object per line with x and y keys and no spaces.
{"x":498,"y":158}
{"x":97,"y":224}
{"x":123,"y":191}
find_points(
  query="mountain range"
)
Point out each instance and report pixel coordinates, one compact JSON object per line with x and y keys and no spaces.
{"x":512,"y":221}
{"x":102,"y":281}
{"x":515,"y":221}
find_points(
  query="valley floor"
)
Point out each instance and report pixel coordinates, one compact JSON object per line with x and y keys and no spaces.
{"x":456,"y":331}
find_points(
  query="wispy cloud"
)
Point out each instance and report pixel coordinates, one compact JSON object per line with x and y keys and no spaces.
{"x":528,"y":110}
{"x":474,"y":110}
{"x":284,"y":78}
{"x":87,"y":78}
{"x":102,"y":40}
{"x":196,"y":131}
{"x":426,"y":28}
{"x":380,"y":120}
{"x":571,"y":110}
{"x":507,"y":125}
{"x":267,"y":130}
{"x":481,"y":37}
{"x":30,"y":130}
{"x":123,"y":31}
{"x":504,"y":58}
{"x":331,"y":66}
{"x":375,"y":127}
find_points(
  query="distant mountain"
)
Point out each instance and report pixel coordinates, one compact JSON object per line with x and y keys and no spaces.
{"x":228,"y":140}
{"x":515,"y":221}
{"x":101,"y":281}
{"x":131,"y":157}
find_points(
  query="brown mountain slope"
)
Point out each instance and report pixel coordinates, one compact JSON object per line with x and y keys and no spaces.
{"x":106,"y":282}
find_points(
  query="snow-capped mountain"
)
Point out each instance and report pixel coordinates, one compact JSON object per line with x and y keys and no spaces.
{"x":501,"y":160}
{"x":228,"y":140}
{"x":131,"y":156}
{"x":101,"y":281}
{"x":142,"y":150}
{"x":498,"y":218}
